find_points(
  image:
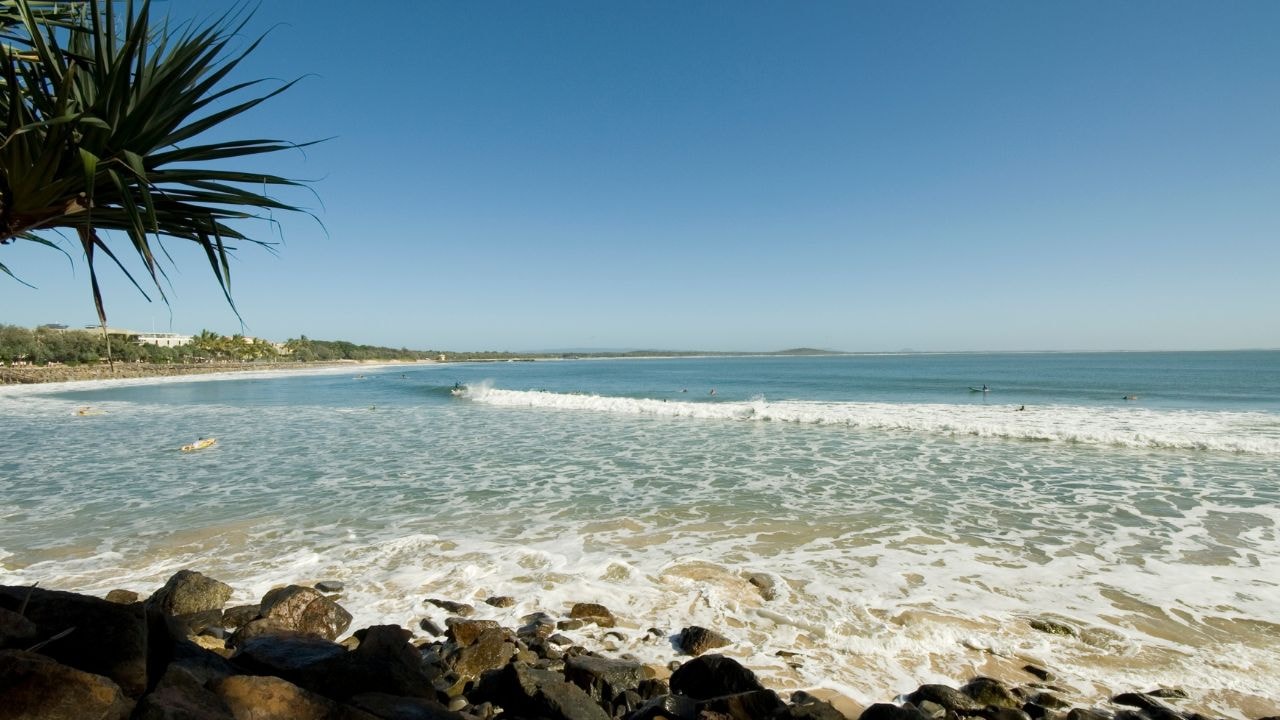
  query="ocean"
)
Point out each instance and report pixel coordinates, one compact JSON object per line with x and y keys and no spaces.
{"x":913,"y":528}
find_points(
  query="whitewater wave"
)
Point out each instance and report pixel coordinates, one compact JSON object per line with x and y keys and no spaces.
{"x":1233,"y":432}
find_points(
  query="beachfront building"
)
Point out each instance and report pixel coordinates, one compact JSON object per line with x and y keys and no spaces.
{"x":163,"y":339}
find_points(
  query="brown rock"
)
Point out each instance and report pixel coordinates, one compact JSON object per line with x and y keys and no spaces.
{"x":124,"y":597}
{"x":180,"y":695}
{"x":190,"y":592}
{"x":501,"y":601}
{"x":34,"y":686}
{"x":305,"y":610}
{"x":489,"y":652}
{"x":16,"y":631}
{"x":696,"y":640}
{"x":594,"y":613}
{"x":240,"y":615}
{"x":465,"y":632}
{"x":108,"y":639}
{"x":457,"y":608}
{"x":268,"y":698}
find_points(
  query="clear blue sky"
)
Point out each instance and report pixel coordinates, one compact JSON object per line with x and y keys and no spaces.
{"x":711,"y":175}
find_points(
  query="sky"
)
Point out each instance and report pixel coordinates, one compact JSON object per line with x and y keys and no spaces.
{"x":859,"y":176}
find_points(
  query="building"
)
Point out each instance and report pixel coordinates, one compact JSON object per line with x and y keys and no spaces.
{"x":162,"y":339}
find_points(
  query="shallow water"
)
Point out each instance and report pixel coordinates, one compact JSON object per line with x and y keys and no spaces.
{"x":913,"y":527}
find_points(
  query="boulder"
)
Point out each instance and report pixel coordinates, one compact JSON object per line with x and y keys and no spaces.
{"x":457,"y":608}
{"x":666,"y":707}
{"x":946,"y":696}
{"x":988,"y":691}
{"x":271,"y":698}
{"x":106,"y":638}
{"x":711,"y":676}
{"x":500,"y":601}
{"x":529,"y":692}
{"x":1151,"y":707}
{"x":197,"y":622}
{"x":746,"y":706}
{"x":430,"y":627}
{"x":189,"y":592}
{"x":240,"y":615}
{"x":593,"y":613}
{"x":305,"y":610}
{"x":394,"y":707}
{"x":34,"y":686}
{"x":301,"y":659}
{"x":16,"y":631}
{"x":887,"y":711}
{"x":807,"y":707}
{"x":765,"y":584}
{"x":1053,"y":627}
{"x":329,"y":586}
{"x":259,"y":628}
{"x":181,"y":695}
{"x":384,"y":662}
{"x":696,"y":640}
{"x":604,"y":679}
{"x":465,"y":632}
{"x":124,"y":597}
{"x":489,"y":651}
{"x":1039,"y":672}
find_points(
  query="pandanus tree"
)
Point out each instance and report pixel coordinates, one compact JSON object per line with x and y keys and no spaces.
{"x":102,"y":113}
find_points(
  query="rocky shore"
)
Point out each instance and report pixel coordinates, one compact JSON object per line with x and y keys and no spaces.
{"x":181,"y":653}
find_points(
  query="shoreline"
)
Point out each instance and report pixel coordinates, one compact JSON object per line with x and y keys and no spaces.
{"x":71,"y":376}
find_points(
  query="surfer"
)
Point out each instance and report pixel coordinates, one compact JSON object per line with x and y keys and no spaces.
{"x":1021,"y":408}
{"x":1130,"y":397}
{"x":713,"y":391}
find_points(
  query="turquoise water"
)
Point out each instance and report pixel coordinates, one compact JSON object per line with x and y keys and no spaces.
{"x":913,"y":526}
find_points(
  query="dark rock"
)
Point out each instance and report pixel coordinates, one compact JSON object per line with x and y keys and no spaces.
{"x":1088,"y":714}
{"x":34,"y":686}
{"x":712,"y":676}
{"x":559,"y":639}
{"x":653,"y":688}
{"x":807,"y":707}
{"x":489,"y":651}
{"x":386,"y":662}
{"x":765,"y":584}
{"x":947,"y":697}
{"x":1048,"y":700}
{"x":1168,"y":693}
{"x":108,"y":639}
{"x":988,"y":691}
{"x":995,"y":712}
{"x":528,"y":692}
{"x":593,"y":613}
{"x":571,"y":625}
{"x":296,"y":658}
{"x":329,"y":586}
{"x":673,"y":707}
{"x":240,"y":615}
{"x":696,"y":640}
{"x":1151,"y":707}
{"x":932,"y":709}
{"x":604,"y":679}
{"x":271,"y":698}
{"x":259,"y":628}
{"x":746,"y":706}
{"x":1053,"y":627}
{"x":887,"y":711}
{"x":430,"y":627}
{"x":16,"y":631}
{"x":305,"y":610}
{"x":394,"y":707}
{"x":189,"y":592}
{"x":124,"y":597}
{"x":197,"y":622}
{"x":500,"y":601}
{"x":456,"y":608}
{"x":1039,"y":672}
{"x":465,"y":632}
{"x":181,"y":695}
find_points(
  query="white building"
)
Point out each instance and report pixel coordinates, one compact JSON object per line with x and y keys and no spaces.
{"x":163,"y":339}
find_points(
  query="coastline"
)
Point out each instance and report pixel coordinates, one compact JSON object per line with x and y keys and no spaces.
{"x":73,"y":375}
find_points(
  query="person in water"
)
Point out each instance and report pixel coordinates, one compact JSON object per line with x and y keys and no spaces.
{"x":984,"y":388}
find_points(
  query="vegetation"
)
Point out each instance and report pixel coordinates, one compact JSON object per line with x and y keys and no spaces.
{"x":101,"y":115}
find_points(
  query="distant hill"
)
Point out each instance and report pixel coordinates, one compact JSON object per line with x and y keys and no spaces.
{"x":806,"y":351}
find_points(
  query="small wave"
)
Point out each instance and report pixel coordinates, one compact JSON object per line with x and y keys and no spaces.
{"x":1234,"y":432}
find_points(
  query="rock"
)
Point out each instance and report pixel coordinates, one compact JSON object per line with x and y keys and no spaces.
{"x":746,"y":706}
{"x":1151,"y":707}
{"x":1088,"y":714}
{"x":16,"y":631}
{"x":329,"y":586}
{"x":108,"y":639}
{"x":807,"y":707}
{"x":1168,"y":693}
{"x":305,"y":610}
{"x":1053,"y":627}
{"x":240,"y":615}
{"x":500,"y":601}
{"x":604,"y":679}
{"x":696,"y":640}
{"x":301,"y":659}
{"x":34,"y":686}
{"x":1039,"y":672}
{"x":988,"y":691}
{"x":394,"y":707}
{"x":1048,"y":700}
{"x":931,"y":708}
{"x":181,"y":695}
{"x":673,"y":707}
{"x":947,"y":697}
{"x":197,"y":622}
{"x":430,"y":627}
{"x":465,"y":632}
{"x":456,"y":608}
{"x":995,"y":712}
{"x":887,"y":711}
{"x":124,"y":597}
{"x":528,"y":692}
{"x":765,"y":584}
{"x":559,"y":639}
{"x":570,"y":625}
{"x":712,"y":676}
{"x":189,"y":592}
{"x":259,"y":628}
{"x":489,"y":651}
{"x":593,"y":613}
{"x":386,"y":662}
{"x":271,"y":698}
